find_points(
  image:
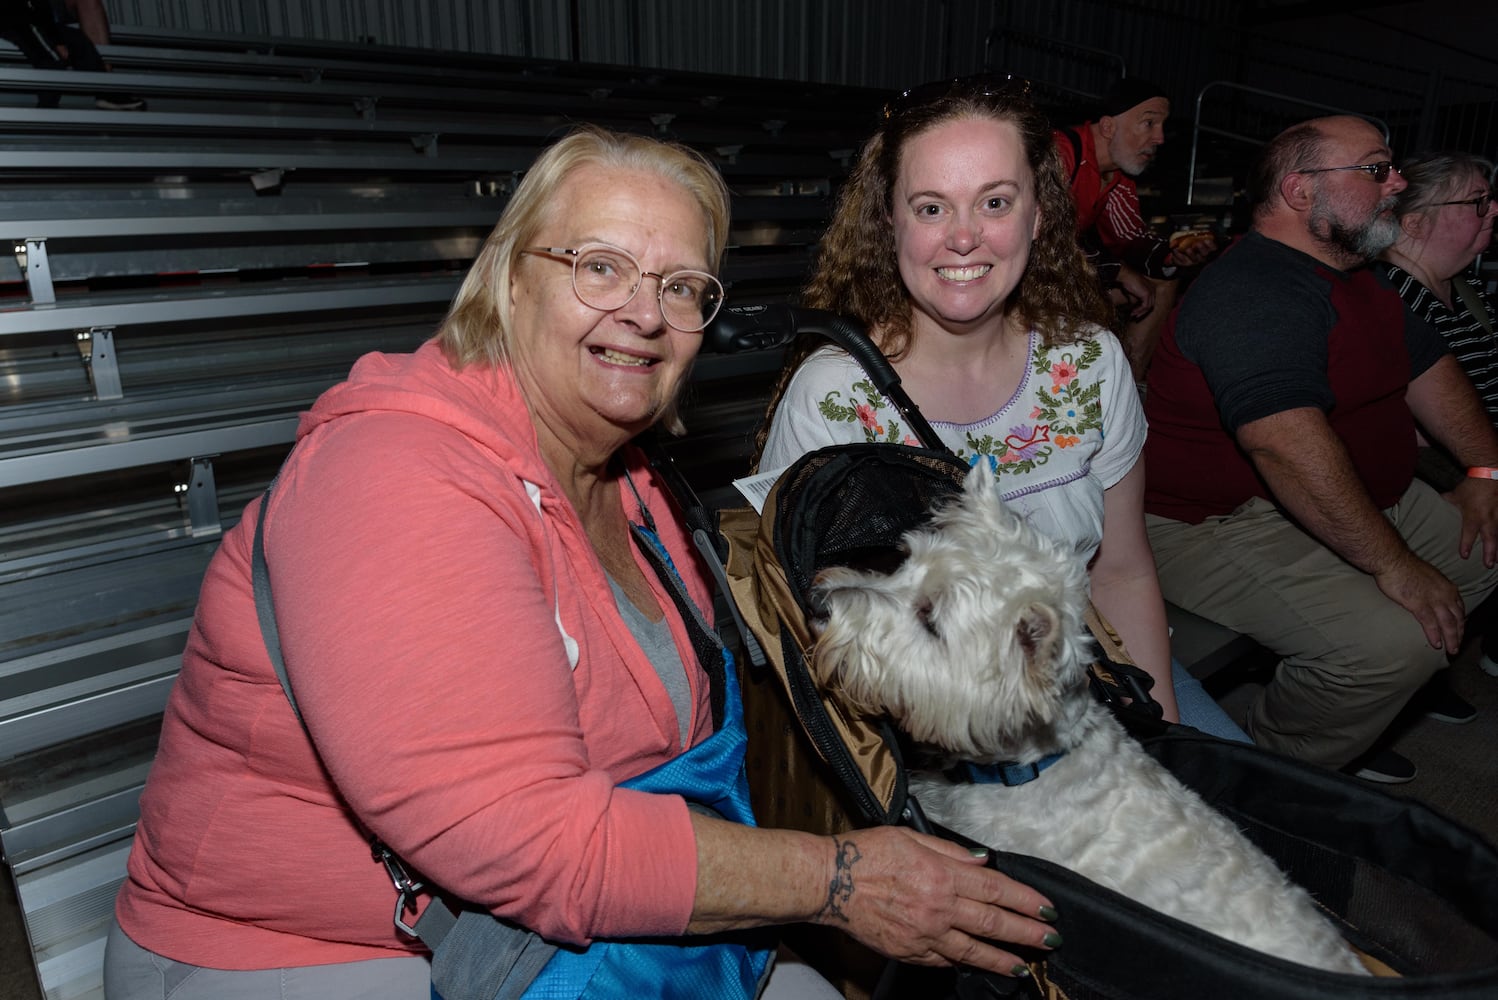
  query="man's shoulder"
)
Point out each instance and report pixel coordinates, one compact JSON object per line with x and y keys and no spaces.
{"x":1259,"y":291}
{"x":1249,"y":261}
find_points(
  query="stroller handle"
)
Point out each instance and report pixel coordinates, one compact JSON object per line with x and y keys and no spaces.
{"x":750,"y":328}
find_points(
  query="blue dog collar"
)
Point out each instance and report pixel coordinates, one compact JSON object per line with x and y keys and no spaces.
{"x":1008,"y":773}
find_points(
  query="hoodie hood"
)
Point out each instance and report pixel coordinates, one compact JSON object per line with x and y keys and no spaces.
{"x":482,"y":403}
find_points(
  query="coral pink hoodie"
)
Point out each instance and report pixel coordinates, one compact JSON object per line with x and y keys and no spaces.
{"x":424,"y":564}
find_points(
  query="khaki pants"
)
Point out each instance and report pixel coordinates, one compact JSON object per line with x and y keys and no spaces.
{"x":1351,"y":657}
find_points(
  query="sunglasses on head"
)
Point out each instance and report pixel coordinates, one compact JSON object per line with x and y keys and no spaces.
{"x":977,"y":85}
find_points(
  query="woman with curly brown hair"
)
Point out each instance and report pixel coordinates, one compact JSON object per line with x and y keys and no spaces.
{"x":954,"y":243}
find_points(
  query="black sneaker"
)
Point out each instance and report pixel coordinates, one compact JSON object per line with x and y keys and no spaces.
{"x":120,"y":102}
{"x":1447,"y":706}
{"x":1488,"y":661}
{"x":1383,"y":766}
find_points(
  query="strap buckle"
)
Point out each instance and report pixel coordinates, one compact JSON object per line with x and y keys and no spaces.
{"x":406,"y":887}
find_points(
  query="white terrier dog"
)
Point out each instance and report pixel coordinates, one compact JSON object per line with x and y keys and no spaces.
{"x":975,"y":646}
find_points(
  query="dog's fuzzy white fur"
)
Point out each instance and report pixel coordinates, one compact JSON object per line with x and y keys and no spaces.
{"x":976,"y":647}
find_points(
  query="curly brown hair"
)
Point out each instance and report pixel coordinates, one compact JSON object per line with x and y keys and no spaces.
{"x":857,"y":273}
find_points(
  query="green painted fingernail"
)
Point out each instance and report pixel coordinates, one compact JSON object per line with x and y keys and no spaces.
{"x":1048,"y":913}
{"x":1051,"y":940}
{"x":1021,"y":971}
{"x":978,"y":852}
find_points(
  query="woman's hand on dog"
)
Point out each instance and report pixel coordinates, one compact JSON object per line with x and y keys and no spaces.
{"x":908,"y":896}
{"x":928,"y":901}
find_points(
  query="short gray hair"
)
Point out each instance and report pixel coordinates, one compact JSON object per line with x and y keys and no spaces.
{"x":1436,"y":176}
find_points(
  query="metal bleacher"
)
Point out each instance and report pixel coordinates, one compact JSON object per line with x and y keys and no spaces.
{"x":185,"y":280}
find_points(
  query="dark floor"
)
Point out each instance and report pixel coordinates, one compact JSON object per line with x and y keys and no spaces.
{"x":1458,"y":775}
{"x":1457,"y":765}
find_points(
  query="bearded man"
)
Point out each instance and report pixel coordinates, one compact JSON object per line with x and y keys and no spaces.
{"x":1280,"y":495}
{"x":1139,"y":269}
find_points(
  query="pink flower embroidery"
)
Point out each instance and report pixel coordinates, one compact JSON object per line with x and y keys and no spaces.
{"x":1062,"y":373}
{"x":867,"y":418}
{"x":1035,"y":413}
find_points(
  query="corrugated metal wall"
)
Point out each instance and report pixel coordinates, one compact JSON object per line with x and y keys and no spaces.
{"x":861,"y":42}
{"x":1069,"y":45}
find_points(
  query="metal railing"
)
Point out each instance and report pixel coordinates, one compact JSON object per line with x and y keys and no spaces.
{"x":1198,"y":128}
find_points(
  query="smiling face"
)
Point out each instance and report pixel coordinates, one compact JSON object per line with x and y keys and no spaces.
{"x":964,"y":216}
{"x":594,"y":379}
{"x":1134,"y":136}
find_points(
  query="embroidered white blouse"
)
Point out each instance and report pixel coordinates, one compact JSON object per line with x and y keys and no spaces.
{"x":1072,"y":428}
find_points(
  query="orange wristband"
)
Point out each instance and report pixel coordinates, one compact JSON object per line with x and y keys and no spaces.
{"x":1482,"y":472}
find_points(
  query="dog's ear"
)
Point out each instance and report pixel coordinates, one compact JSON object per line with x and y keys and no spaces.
{"x":979,"y":479}
{"x":1038,"y":631}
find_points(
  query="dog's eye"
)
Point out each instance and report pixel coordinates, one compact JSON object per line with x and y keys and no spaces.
{"x":926,"y":614}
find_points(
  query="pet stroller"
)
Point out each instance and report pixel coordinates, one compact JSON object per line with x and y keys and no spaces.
{"x":1413,"y":891}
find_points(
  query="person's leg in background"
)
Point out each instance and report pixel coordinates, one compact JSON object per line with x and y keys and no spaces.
{"x":1142,"y":336}
{"x":93,"y":25}
{"x":1201,"y":708}
{"x":92,"y":19}
{"x":1351,"y":658}
{"x":1429,"y":523}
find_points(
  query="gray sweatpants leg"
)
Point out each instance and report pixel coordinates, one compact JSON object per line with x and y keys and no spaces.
{"x":1351,"y":657}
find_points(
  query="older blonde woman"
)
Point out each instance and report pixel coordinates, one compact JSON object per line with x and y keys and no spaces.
{"x":483,"y":655}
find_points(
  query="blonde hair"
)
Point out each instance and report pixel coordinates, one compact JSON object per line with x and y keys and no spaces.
{"x":477,"y":327}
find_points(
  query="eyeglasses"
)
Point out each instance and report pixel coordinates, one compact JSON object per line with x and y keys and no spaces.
{"x":607,"y":278}
{"x":1482,"y":201}
{"x":1378,"y":171}
{"x":977,"y":85}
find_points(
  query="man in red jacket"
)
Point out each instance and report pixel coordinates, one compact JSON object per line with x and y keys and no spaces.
{"x":1102,"y":158}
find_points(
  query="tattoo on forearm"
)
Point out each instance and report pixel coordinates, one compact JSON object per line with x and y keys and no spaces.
{"x":840,"y":888}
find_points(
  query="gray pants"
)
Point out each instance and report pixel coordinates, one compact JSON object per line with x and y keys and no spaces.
{"x":133,"y":973}
{"x":1351,"y":656}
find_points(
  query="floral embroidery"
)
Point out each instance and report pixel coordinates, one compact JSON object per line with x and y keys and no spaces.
{"x":864,"y":410}
{"x":1068,"y":411}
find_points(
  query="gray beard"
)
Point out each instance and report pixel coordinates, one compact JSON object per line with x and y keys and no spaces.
{"x":1363,"y":242}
